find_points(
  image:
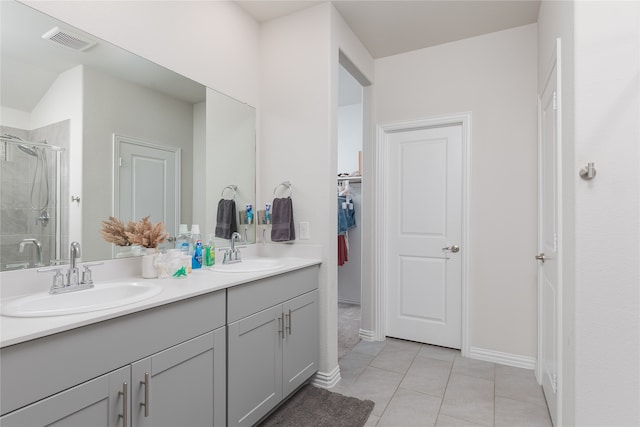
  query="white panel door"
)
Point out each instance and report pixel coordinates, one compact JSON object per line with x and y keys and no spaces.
{"x":147,"y":182}
{"x":548,"y":234}
{"x":424,"y":226}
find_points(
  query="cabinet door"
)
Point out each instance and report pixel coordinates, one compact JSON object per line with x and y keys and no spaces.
{"x":300,"y":353}
{"x":175,"y":387}
{"x":96,"y":403}
{"x":254,"y":366}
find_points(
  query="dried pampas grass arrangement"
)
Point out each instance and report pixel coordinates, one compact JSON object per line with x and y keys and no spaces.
{"x":142,"y":233}
{"x":146,"y":234}
{"x":114,"y":231}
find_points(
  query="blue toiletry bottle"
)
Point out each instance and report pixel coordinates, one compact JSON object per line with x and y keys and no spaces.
{"x":249,"y":214}
{"x":196,"y":242}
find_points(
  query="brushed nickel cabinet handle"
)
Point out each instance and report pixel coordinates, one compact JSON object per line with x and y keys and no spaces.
{"x":289,"y":321}
{"x":125,"y":405}
{"x":281,"y":326}
{"x":147,"y":387}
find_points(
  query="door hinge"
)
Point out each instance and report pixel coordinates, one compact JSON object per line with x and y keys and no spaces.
{"x":555,"y":382}
{"x":555,"y":242}
{"x":120,"y":161}
{"x":555,"y":101}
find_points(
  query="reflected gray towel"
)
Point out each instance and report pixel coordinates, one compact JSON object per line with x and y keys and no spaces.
{"x":282,"y":228}
{"x":226,"y":220}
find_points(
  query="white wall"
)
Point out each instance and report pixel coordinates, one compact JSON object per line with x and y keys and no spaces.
{"x":14,"y":118}
{"x":607,"y":213}
{"x":494,"y":77}
{"x":555,"y":20}
{"x":296,"y":138}
{"x":349,"y":137}
{"x":130,"y":110}
{"x":214,"y":43}
{"x":298,"y":132}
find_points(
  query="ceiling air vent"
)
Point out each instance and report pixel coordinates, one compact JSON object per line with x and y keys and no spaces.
{"x":68,"y":39}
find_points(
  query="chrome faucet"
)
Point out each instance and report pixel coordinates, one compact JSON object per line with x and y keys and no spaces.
{"x":34,"y":242}
{"x":234,"y":237}
{"x":72,"y":282}
{"x":232,"y":254}
{"x":73,"y":275}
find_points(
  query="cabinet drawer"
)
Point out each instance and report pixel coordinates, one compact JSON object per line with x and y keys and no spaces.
{"x":42,"y":367}
{"x":249,"y":298}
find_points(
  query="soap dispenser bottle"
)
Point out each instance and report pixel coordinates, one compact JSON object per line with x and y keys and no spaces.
{"x":182,"y":241}
{"x":210,"y":251}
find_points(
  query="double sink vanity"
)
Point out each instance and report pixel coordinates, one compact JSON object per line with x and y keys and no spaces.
{"x":218,"y":348}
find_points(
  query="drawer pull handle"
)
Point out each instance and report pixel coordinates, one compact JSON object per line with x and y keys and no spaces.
{"x":289,"y":321}
{"x":147,"y":387}
{"x":281,"y":326}
{"x":125,"y":406}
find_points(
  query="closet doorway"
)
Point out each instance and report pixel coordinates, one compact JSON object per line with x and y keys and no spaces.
{"x":349,"y":193}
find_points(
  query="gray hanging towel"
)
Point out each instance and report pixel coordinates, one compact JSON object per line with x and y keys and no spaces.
{"x":282,"y":228}
{"x":226,"y":220}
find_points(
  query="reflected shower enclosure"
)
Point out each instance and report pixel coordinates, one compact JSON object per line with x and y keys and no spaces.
{"x":34,"y":183}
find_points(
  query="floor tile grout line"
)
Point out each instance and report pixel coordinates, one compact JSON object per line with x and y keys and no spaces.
{"x":403,"y":375}
{"x":400,"y":382}
{"x":444,"y":392}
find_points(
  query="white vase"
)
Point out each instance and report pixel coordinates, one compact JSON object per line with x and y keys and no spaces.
{"x":148,"y":269}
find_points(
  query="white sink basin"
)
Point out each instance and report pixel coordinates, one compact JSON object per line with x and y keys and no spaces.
{"x":249,"y":265}
{"x":100,"y":297}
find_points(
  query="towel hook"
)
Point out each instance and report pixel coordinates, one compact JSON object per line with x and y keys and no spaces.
{"x":233,"y":188}
{"x":284,"y":184}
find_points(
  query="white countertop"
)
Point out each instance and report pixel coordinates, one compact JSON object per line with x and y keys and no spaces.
{"x":14,"y":330}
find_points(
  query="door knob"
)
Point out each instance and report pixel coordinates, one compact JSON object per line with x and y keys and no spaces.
{"x":452,"y":248}
{"x":541,"y":257}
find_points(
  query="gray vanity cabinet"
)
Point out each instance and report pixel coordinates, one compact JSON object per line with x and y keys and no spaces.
{"x":98,"y":403}
{"x":255,"y":366}
{"x":272,"y":342}
{"x":300,"y":353}
{"x":76,"y":378}
{"x":177,"y":387}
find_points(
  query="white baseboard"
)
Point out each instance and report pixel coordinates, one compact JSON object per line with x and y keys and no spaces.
{"x":501,"y":358}
{"x":326,"y":380}
{"x":367,"y":335}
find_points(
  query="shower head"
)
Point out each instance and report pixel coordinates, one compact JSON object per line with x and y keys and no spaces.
{"x":32,"y":151}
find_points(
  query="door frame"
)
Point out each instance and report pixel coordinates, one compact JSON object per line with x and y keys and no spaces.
{"x":380,"y":241}
{"x":554,"y":63}
{"x":117,"y":139}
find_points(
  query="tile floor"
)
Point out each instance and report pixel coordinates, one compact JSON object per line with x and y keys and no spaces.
{"x":416,"y":384}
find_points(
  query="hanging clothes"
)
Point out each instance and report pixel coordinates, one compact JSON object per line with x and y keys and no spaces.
{"x":346,"y":221}
{"x":343,"y":255}
{"x":346,"y":214}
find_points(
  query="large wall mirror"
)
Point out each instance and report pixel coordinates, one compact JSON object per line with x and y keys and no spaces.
{"x":90,"y":131}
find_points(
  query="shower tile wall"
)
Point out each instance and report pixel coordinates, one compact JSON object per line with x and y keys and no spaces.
{"x":18,"y":220}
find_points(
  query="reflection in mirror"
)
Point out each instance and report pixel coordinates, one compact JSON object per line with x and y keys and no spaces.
{"x":230,"y":129}
{"x":93,"y":104}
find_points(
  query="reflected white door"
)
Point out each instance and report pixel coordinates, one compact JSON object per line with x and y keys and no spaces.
{"x":548,"y":244}
{"x":424,"y":218}
{"x":147,"y":182}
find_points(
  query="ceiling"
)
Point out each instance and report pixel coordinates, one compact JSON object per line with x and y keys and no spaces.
{"x":391,"y":27}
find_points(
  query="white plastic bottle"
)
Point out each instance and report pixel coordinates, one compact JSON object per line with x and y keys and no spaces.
{"x":182,"y":241}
